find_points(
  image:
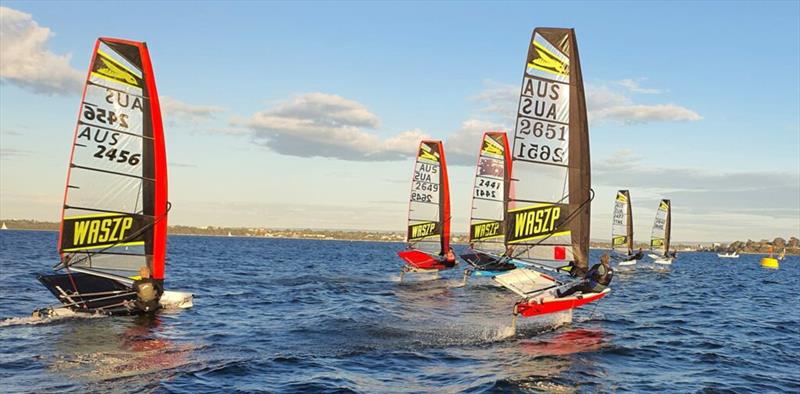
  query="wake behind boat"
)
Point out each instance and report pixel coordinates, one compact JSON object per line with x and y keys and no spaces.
{"x":548,"y":216}
{"x":490,"y":194}
{"x":114,"y":218}
{"x":428,"y":237}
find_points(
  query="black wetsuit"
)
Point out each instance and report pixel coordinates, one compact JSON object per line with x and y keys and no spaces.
{"x":148,"y":293}
{"x":595,"y":281}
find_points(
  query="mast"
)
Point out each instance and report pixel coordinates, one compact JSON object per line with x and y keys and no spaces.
{"x":668,"y":228}
{"x":549,"y":213}
{"x":629,"y":224}
{"x":114,"y":218}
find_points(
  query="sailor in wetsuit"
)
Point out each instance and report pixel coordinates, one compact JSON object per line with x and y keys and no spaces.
{"x":450,"y":258}
{"x":148,"y":293}
{"x":637,"y":256}
{"x":595,"y":281}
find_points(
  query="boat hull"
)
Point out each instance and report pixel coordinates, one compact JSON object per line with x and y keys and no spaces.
{"x":417,"y":261}
{"x":487,"y":265}
{"x":105,"y":295}
{"x":545,"y":305}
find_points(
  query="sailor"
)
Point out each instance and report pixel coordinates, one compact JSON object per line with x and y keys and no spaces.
{"x":595,"y":281}
{"x":148,"y":293}
{"x":574,"y":270}
{"x":450,"y":258}
{"x":637,"y":256}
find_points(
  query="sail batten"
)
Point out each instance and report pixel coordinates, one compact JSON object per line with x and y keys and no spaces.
{"x":548,"y":216}
{"x":114,"y":212}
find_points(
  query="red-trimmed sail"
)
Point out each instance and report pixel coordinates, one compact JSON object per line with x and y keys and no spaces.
{"x":114,"y":218}
{"x":429,"y":206}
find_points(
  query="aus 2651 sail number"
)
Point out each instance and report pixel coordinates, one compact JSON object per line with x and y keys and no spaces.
{"x":540,"y":152}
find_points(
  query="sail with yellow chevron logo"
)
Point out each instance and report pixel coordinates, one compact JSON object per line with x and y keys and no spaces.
{"x":662,"y":227}
{"x":490,"y":194}
{"x":114,"y":217}
{"x":548,"y":216}
{"x":428,"y":230}
{"x":547,"y":222}
{"x":622,"y":224}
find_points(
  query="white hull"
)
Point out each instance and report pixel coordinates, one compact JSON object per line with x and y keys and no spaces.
{"x":177,"y":300}
{"x":728,"y":256}
{"x":662,"y":261}
{"x":626,"y":263}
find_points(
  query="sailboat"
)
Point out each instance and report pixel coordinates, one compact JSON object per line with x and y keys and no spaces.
{"x":728,"y":255}
{"x":428,"y":236}
{"x":114,"y":217}
{"x":490,"y":194}
{"x":622,"y":230}
{"x":4,"y":227}
{"x":547,"y":224}
{"x":659,"y":238}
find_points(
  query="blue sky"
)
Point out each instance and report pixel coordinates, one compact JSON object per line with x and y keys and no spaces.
{"x":698,"y":102}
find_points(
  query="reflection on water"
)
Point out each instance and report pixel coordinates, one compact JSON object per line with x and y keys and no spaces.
{"x":113,"y":348}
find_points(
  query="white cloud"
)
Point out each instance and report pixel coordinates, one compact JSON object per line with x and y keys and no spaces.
{"x":634,"y":87}
{"x":327,"y":125}
{"x":26,"y":62}
{"x":462,"y":147}
{"x":603,"y":104}
{"x":708,"y":205}
{"x":639,"y":113}
{"x":174,"y":110}
{"x":7,"y":153}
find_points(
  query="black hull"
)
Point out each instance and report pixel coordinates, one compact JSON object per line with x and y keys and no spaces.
{"x":105,"y":295}
{"x":485,"y":262}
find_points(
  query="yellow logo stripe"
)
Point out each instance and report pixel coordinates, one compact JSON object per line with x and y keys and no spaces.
{"x":136,"y":243}
{"x":558,"y":234}
{"x":548,"y":62}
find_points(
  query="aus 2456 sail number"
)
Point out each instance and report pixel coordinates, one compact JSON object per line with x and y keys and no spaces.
{"x":103,"y":137}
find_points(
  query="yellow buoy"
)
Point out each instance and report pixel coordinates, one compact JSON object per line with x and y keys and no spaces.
{"x":769,"y":262}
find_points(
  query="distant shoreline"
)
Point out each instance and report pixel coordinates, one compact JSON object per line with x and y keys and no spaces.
{"x":792,"y":246}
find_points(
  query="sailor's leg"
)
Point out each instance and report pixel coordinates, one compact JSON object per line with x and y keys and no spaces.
{"x":514,"y":321}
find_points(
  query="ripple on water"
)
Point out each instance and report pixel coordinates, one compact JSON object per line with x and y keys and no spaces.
{"x":303,"y":316}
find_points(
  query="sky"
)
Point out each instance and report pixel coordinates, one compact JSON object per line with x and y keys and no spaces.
{"x":307,"y":115}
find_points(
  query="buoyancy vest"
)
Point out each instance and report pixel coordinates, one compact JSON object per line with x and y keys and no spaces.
{"x":146,"y":291}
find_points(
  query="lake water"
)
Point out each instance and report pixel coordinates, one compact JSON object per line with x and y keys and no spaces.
{"x":307,"y":316}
